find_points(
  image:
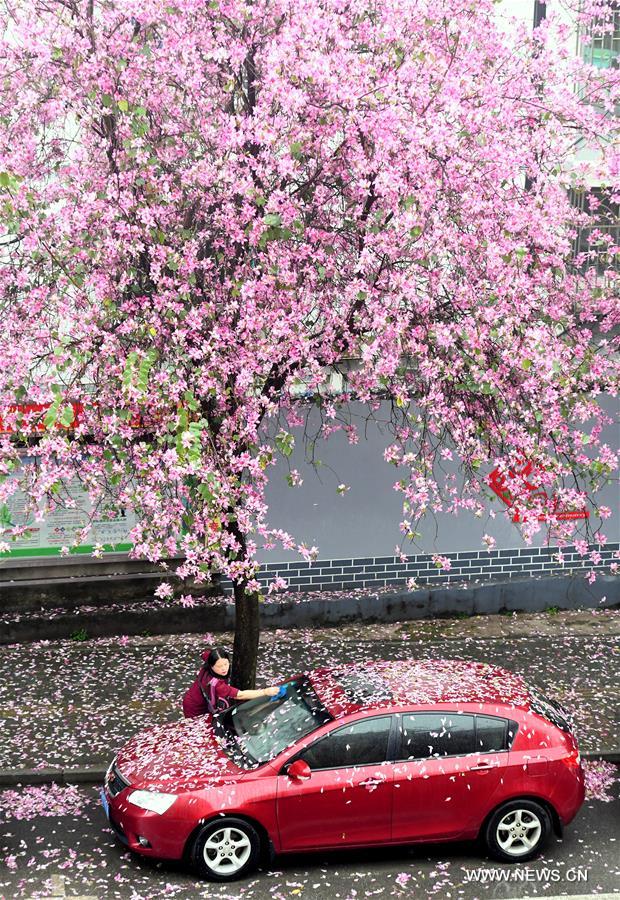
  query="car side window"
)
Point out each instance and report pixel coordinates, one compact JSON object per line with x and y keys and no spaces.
{"x":361,"y":744}
{"x":427,"y":735}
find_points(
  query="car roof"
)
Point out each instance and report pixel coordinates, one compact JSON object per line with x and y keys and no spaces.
{"x":427,"y":682}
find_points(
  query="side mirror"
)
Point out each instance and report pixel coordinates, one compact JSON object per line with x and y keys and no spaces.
{"x":299,"y":770}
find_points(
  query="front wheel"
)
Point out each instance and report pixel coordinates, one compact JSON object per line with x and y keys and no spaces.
{"x":226,"y":849}
{"x":517,"y":831}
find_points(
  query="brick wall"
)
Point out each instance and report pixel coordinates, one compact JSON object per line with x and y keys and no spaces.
{"x":471,"y":565}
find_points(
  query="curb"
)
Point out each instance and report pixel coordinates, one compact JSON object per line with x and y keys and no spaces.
{"x":95,"y":774}
{"x":77,"y":775}
{"x":306,"y":610}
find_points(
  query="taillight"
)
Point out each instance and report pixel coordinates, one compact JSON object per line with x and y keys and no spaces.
{"x":573,"y":760}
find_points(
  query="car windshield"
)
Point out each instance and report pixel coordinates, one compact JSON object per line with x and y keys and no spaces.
{"x":255,"y":731}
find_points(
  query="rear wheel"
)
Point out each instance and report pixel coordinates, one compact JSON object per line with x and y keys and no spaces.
{"x":518,"y":830}
{"x":226,"y":849}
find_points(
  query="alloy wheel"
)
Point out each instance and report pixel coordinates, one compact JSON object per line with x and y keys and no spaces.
{"x":226,"y":851}
{"x":518,"y":832}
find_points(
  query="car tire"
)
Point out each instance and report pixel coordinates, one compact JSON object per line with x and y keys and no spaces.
{"x":226,"y":849}
{"x":517,"y":831}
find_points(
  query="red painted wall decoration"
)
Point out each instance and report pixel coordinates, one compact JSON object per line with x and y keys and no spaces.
{"x":498,"y":484}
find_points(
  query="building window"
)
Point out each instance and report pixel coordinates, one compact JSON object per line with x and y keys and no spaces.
{"x":597,"y":243}
{"x":602,"y":46}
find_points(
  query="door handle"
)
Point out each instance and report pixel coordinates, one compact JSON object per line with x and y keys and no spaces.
{"x":481,"y":767}
{"x":372,"y":783}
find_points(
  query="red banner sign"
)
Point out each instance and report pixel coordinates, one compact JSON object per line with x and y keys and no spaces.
{"x":498,"y":483}
{"x":35,"y":415}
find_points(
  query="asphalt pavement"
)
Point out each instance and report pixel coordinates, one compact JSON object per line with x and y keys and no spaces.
{"x":71,"y":704}
{"x":75,"y":855}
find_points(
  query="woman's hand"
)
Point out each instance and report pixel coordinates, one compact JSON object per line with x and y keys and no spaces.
{"x":255,"y":695}
{"x":271,"y":691}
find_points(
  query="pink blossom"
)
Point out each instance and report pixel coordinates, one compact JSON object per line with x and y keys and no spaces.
{"x":198,"y":268}
{"x":164,"y":591}
{"x":44,"y":800}
{"x":600,"y":777}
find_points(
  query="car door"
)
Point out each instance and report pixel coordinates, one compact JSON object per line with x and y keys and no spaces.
{"x":347,"y":799}
{"x":446,"y":774}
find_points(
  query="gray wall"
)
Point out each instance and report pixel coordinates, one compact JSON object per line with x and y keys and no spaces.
{"x":364,"y":521}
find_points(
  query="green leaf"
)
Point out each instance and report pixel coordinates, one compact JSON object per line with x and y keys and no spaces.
{"x":130,"y":363}
{"x":123,"y":105}
{"x":296,"y":148}
{"x":190,"y":400}
{"x":204,"y":491}
{"x":8,"y":180}
{"x":67,"y":416}
{"x":51,"y":415}
{"x":273,"y":219}
{"x":285,"y":443}
{"x":139,"y":128}
{"x":145,"y":368}
{"x":107,"y":100}
{"x":526,"y":364}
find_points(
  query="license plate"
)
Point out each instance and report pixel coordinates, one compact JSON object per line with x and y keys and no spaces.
{"x":104,"y":801}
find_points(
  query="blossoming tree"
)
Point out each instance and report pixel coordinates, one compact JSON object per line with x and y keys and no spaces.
{"x":207,"y":203}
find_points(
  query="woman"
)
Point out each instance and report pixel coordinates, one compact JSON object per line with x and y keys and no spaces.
{"x":211,"y":691}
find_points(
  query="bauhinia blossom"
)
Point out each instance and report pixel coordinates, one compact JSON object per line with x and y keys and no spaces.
{"x":207,"y":207}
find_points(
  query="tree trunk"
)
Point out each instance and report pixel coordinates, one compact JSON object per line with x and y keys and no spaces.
{"x":245,"y":648}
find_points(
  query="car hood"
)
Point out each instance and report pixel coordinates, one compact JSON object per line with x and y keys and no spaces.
{"x":181,"y":755}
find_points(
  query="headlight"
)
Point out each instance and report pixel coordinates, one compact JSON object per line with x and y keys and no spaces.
{"x":152,"y":800}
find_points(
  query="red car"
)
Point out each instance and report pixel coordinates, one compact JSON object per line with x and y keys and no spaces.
{"x":355,"y":756}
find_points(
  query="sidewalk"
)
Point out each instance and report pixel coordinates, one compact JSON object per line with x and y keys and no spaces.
{"x":69,"y":705}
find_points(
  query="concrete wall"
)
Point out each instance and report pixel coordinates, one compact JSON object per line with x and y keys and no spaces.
{"x":364,"y":522}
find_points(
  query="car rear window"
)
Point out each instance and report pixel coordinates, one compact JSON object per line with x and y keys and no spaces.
{"x":551,"y":711}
